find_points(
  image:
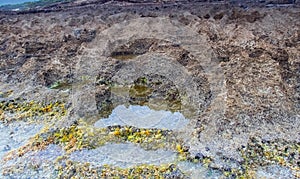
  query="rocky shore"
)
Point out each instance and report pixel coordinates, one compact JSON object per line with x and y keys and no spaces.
{"x":229,"y":69}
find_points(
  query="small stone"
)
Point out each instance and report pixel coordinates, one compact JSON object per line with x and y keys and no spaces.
{"x":199,"y":156}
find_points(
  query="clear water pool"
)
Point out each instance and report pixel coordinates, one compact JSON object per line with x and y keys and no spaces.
{"x":143,"y":117}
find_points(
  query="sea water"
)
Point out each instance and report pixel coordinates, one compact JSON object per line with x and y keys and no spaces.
{"x":7,"y":2}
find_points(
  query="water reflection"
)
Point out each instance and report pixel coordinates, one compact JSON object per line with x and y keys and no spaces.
{"x":143,"y":117}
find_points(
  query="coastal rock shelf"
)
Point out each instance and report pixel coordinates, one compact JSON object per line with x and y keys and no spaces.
{"x":151,"y":89}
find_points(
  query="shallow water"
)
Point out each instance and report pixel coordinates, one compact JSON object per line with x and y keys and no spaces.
{"x":38,"y":163}
{"x":6,"y":2}
{"x":15,"y":135}
{"x":123,"y":155}
{"x":143,"y":117}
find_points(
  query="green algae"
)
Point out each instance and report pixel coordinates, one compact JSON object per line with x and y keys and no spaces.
{"x":61,"y":85}
{"x":143,"y":95}
{"x":140,"y":91}
{"x":153,"y":91}
{"x":149,"y":92}
{"x":123,"y":56}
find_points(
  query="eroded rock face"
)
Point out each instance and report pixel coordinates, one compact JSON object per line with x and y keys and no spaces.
{"x":234,"y":74}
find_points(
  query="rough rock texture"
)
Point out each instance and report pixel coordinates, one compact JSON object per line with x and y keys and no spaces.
{"x":233,"y":69}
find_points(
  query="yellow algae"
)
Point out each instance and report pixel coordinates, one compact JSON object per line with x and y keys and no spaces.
{"x":20,"y":110}
{"x":83,"y":170}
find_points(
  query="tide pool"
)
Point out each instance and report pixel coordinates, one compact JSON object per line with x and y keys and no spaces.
{"x":143,"y":117}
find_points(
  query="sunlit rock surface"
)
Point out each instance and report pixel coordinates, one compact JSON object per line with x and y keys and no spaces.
{"x":199,"y":171}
